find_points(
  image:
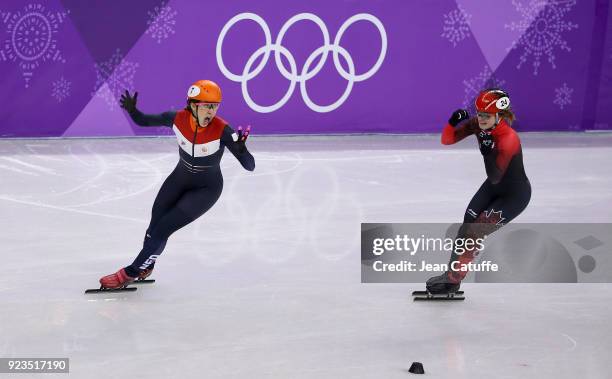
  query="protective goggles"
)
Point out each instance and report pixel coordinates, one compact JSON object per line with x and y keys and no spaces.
{"x":210,"y":106}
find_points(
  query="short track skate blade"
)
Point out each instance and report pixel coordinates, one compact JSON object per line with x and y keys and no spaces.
{"x":439,"y":298}
{"x":425,"y":293}
{"x":107,"y":290}
{"x":143,"y":281}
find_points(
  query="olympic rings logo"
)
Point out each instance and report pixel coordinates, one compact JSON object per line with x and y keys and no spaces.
{"x":292,"y":74}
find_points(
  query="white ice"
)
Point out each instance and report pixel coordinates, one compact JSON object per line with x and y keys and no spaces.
{"x":267,"y":284}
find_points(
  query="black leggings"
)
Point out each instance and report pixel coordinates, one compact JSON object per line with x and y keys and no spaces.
{"x":183,"y":198}
{"x":493,"y":206}
{"x":498,"y":202}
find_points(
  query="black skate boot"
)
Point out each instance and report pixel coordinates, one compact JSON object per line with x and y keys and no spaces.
{"x":440,"y":287}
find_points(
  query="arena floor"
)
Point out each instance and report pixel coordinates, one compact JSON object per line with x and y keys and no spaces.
{"x":267,"y":283}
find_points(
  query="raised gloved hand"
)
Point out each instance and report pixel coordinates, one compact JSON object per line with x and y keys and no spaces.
{"x":242,"y":137}
{"x":458,"y":116}
{"x":128,"y":102}
{"x":486,"y":143}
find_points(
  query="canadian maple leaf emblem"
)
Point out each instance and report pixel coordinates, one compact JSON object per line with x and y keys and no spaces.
{"x":494,"y":217}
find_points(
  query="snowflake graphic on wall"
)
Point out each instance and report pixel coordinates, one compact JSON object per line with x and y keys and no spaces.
{"x":61,"y":89}
{"x":563,"y":96}
{"x":456,"y":25}
{"x":473,"y":86}
{"x":161,"y":23}
{"x":541,"y":29}
{"x":32,"y":38}
{"x":113,"y":77}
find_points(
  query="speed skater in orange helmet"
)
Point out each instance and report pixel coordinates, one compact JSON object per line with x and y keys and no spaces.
{"x":196,"y":182}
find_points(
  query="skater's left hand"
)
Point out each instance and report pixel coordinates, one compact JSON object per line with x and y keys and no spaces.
{"x":486,"y":142}
{"x":242,"y":137}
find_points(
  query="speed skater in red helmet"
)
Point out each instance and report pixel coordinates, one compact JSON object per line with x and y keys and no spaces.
{"x":506,"y":191}
{"x":196,"y":182}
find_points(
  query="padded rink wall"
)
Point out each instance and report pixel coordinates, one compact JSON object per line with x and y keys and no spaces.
{"x":295,"y":67}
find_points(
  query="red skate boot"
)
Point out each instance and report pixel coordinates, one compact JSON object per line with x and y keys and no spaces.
{"x":144,"y":274}
{"x":116,"y":281}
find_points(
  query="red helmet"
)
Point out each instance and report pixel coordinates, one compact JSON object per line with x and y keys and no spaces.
{"x":492,"y":100}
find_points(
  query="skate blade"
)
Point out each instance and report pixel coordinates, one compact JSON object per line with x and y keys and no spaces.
{"x":439,"y":298}
{"x":425,"y":293}
{"x":143,"y":281}
{"x":107,"y":290}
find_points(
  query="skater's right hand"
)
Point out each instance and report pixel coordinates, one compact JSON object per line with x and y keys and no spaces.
{"x":128,"y":102}
{"x":458,"y":116}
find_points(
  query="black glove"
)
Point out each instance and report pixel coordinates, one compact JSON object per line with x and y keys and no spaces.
{"x":242,"y":137}
{"x":458,"y":116}
{"x":128,"y":102}
{"x":486,"y":143}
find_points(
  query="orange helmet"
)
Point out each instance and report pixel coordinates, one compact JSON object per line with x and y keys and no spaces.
{"x":205,"y":91}
{"x":492,"y":100}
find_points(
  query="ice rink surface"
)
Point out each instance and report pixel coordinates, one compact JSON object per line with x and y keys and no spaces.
{"x":267,"y":283}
